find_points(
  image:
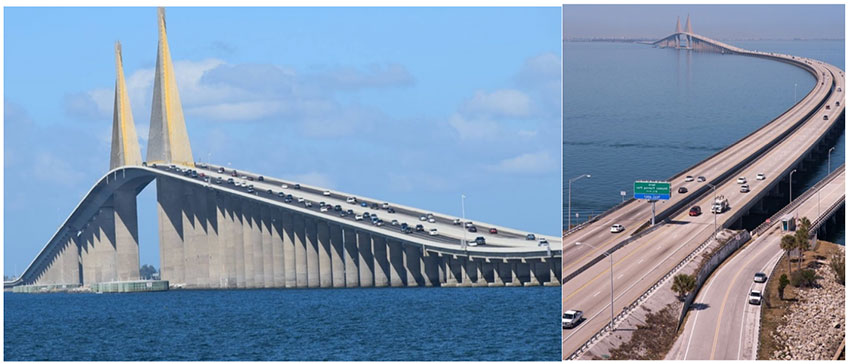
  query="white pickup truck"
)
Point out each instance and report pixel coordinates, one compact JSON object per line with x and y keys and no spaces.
{"x":570,"y":319}
{"x":720,"y":204}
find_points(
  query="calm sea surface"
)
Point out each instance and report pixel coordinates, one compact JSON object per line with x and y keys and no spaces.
{"x":636,"y":112}
{"x":296,"y":324}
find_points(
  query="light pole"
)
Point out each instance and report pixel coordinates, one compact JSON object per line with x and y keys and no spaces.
{"x":570,"y":198}
{"x":829,"y":160}
{"x":714,"y":189}
{"x":790,"y":180}
{"x":463,"y":218}
{"x":611,"y":260}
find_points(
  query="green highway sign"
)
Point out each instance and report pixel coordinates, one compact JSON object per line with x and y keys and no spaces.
{"x":652,"y":190}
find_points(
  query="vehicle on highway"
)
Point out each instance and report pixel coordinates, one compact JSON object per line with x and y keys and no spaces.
{"x":419,"y":227}
{"x":826,"y":117}
{"x":742,"y":180}
{"x":472,"y":229}
{"x":351,"y":200}
{"x":234,"y":174}
{"x":337,"y":208}
{"x":745,"y":188}
{"x":308,"y":204}
{"x":358,"y":217}
{"x":468,"y":224}
{"x":270,"y":191}
{"x":754,"y":297}
{"x":300,"y":199}
{"x":297,"y":186}
{"x":244,"y":177}
{"x":374,"y":206}
{"x":260,"y":178}
{"x":432,"y":232}
{"x":326,"y":193}
{"x":280,"y":194}
{"x":385,"y":205}
{"x":284,"y":186}
{"x":478,"y":241}
{"x":837,"y":103}
{"x":760,"y":176}
{"x":456,"y":221}
{"x":324,"y":208}
{"x":394,"y":222}
{"x":349,"y":211}
{"x":218,"y":180}
{"x":431,"y":220}
{"x":406,"y":229}
{"x":220,"y":169}
{"x":827,"y":107}
{"x":288,"y":199}
{"x":367,"y":215}
{"x":364,"y":204}
{"x":616,"y":228}
{"x":683,"y":189}
{"x":760,"y":277}
{"x":530,"y":237}
{"x":430,"y":215}
{"x":423,"y":218}
{"x":378,"y":222}
{"x":720,"y":204}
{"x":250,"y":178}
{"x":390,"y":210}
{"x":689,"y":178}
{"x":570,"y":319}
{"x":494,"y":231}
{"x":701,"y":179}
{"x":695,"y":211}
{"x":543,"y":242}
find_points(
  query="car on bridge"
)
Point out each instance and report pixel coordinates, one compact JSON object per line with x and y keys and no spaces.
{"x":542,"y":243}
{"x":754,"y":298}
{"x":478,"y":241}
{"x":745,"y":188}
{"x":826,"y":117}
{"x":456,"y":221}
{"x":742,"y":180}
{"x":689,"y":178}
{"x":326,"y":193}
{"x":419,"y":227}
{"x":530,"y":237}
{"x":433,"y":232}
{"x":472,"y":229}
{"x":390,"y":210}
{"x":617,"y":228}
{"x":351,"y":200}
{"x":570,"y":319}
{"x":760,"y":177}
{"x":760,"y":277}
{"x":358,"y":217}
{"x":695,"y":211}
{"x":683,"y":189}
{"x":701,"y":179}
{"x":494,"y":231}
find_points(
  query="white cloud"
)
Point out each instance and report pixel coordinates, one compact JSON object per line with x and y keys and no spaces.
{"x":474,"y":129}
{"x":538,"y":162}
{"x":498,"y":103}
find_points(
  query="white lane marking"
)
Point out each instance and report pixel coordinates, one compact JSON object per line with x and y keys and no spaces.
{"x":620,"y":276}
{"x":741,"y":337}
{"x":640,"y":261}
{"x":597,"y":293}
{"x":696,"y":318}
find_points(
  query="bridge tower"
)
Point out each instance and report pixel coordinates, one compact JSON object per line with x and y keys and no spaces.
{"x":168,"y":141}
{"x":678,"y":32}
{"x":689,"y":31}
{"x":125,"y":144}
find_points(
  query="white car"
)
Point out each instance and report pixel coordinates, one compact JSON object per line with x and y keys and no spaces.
{"x":456,"y":221}
{"x":742,"y":180}
{"x":689,"y":178}
{"x":431,"y":220}
{"x":326,"y":193}
{"x":284,"y":186}
{"x":760,"y":176}
{"x":358,"y":217}
{"x":324,"y":208}
{"x":394,"y":222}
{"x":423,"y":218}
{"x":755,"y":297}
{"x":385,"y":206}
{"x":616,"y":228}
{"x":468,"y":224}
{"x":745,"y":188}
{"x":760,"y":277}
{"x":432,"y":232}
{"x":351,"y":200}
{"x":301,"y":199}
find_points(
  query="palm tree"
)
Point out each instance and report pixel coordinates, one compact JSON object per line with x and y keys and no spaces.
{"x":788,"y":243}
{"x":682,"y":284}
{"x":802,"y":237}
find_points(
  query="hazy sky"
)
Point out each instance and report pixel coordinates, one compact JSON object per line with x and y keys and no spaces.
{"x":408,"y":105}
{"x":714,"y":21}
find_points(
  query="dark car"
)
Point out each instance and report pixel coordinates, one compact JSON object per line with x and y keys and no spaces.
{"x":683,"y":189}
{"x":494,"y":231}
{"x":337,"y":208}
{"x":695,"y":211}
{"x":472,"y":229}
{"x":701,"y":179}
{"x":478,"y":241}
{"x":406,"y":229}
{"x":270,"y":191}
{"x":260,"y":178}
{"x":364,"y":204}
{"x":530,"y":237}
{"x":297,"y":186}
{"x":390,"y":210}
{"x":419,"y":227}
{"x":374,"y":206}
{"x":234,"y":174}
{"x":280,"y":194}
{"x":250,"y":178}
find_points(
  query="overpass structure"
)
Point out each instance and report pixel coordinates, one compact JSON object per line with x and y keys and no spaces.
{"x":644,"y":255}
{"x":261,"y":232}
{"x":727,"y":327}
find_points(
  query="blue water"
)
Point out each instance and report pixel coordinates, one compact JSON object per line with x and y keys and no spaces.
{"x":636,"y":112}
{"x":296,"y":324}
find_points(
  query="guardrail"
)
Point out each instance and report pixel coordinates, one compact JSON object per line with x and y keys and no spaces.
{"x":637,"y":302}
{"x":731,"y":245}
{"x":595,"y":218}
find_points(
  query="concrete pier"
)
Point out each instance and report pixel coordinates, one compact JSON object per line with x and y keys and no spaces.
{"x":352,"y":258}
{"x":337,"y":265}
{"x":367,"y":262}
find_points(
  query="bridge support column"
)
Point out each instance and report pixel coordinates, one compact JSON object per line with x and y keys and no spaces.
{"x":367,"y":261}
{"x":289,"y":248}
{"x":106,"y":248}
{"x":215,"y":253}
{"x":337,"y":255}
{"x":352,"y":270}
{"x":247,"y":243}
{"x":71,"y":264}
{"x":412,"y":259}
{"x":278,"y":254}
{"x":190,"y":238}
{"x":532,"y":272}
{"x":257,"y":243}
{"x":512,"y":266}
{"x":382,"y":269}
{"x":325,"y":269}
{"x":300,"y":235}
{"x":200,"y":237}
{"x":235,"y":243}
{"x":85,"y":260}
{"x":466,"y":280}
{"x":312,"y":253}
{"x":126,"y":234}
{"x":169,"y":211}
{"x":398,"y":276}
{"x":498,"y":266}
{"x":451,"y":270}
{"x":553,"y":274}
{"x":268,"y":238}
{"x":480,"y":280}
{"x":430,"y":268}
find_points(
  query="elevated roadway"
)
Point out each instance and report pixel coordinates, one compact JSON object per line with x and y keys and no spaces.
{"x":649,"y":256}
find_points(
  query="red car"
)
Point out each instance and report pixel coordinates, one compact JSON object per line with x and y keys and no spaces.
{"x":494,"y":231}
{"x":695,"y":211}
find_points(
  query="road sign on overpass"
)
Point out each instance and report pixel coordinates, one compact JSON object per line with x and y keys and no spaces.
{"x":652,"y":190}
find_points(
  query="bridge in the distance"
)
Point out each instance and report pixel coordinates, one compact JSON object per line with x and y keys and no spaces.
{"x":644,"y":255}
{"x":226,"y":228}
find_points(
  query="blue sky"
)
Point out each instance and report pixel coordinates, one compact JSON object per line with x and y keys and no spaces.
{"x":715,"y":21}
{"x":410,"y":105}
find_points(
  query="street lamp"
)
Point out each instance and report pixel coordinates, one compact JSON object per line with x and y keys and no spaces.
{"x":463,"y":218}
{"x":829,"y":160}
{"x":570,"y":198}
{"x":790,"y":180}
{"x":714,"y":189}
{"x":611,"y":260}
